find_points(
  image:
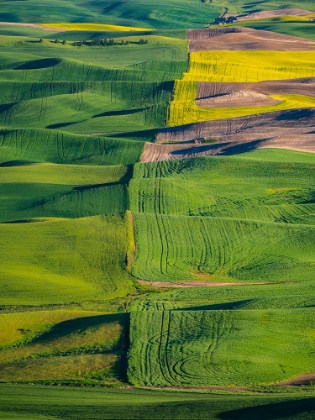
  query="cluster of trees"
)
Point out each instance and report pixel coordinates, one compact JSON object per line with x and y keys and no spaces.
{"x":99,"y":42}
{"x":106,"y":42}
{"x":219,"y":20}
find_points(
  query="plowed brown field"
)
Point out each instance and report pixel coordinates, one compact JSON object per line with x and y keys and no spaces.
{"x":294,"y":129}
{"x":267,"y":14}
{"x":244,"y":39}
{"x":213,"y":95}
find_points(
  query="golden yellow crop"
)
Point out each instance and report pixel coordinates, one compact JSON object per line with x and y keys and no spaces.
{"x":239,"y":66}
{"x":93,"y":27}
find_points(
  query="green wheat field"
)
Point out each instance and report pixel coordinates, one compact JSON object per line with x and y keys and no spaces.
{"x":174,"y":289}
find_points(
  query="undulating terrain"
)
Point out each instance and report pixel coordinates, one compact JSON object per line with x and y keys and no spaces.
{"x":157,"y":224}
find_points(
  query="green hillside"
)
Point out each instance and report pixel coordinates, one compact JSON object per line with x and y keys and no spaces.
{"x":120,"y":278}
{"x":219,"y":347}
{"x":233,"y":218}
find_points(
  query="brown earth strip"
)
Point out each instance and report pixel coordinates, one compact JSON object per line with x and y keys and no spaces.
{"x":32,"y":25}
{"x":293,"y":130}
{"x":305,"y":379}
{"x":267,"y":14}
{"x":226,"y":95}
{"x":244,"y":39}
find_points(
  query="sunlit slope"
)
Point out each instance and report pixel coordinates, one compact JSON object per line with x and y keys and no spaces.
{"x":50,"y":190}
{"x":220,"y":347}
{"x":54,"y":346}
{"x":17,"y":402}
{"x":61,"y":261}
{"x":239,"y":66}
{"x":139,"y":13}
{"x":93,"y":27}
{"x":249,"y":66}
{"x":265,"y":185}
{"x":233,"y":218}
{"x":295,"y":27}
{"x":171,"y":248}
{"x":287,"y":295}
{"x":37,"y":146}
{"x":49,"y":176}
{"x":82,"y":98}
{"x":243,"y":7}
{"x":144,"y":13}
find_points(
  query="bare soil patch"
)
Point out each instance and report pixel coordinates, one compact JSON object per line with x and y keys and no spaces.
{"x":267,"y":14}
{"x":32,"y":25}
{"x":245,"y":39}
{"x":305,"y":379}
{"x":293,"y":130}
{"x":226,"y":95}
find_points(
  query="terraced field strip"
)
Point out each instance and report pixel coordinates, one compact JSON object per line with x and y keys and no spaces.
{"x":239,"y":38}
{"x":241,"y":66}
{"x":205,"y":223}
{"x":280,"y":295}
{"x":226,"y":249}
{"x":93,"y":27}
{"x":190,"y":348}
{"x":286,"y":130}
{"x":188,"y":284}
{"x":270,"y":14}
{"x":19,"y":401}
{"x":33,"y":25}
{"x":64,"y":260}
{"x":59,"y":345}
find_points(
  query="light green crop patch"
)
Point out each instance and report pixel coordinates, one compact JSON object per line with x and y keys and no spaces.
{"x":188,"y":348}
{"x":63,"y":260}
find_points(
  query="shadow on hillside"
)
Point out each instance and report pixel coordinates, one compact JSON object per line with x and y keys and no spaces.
{"x":295,"y":114}
{"x":16,"y":163}
{"x":80,"y":325}
{"x":240,"y":148}
{"x":119,"y":113}
{"x":39,"y":64}
{"x":61,"y":125}
{"x":217,"y":306}
{"x":296,"y":409}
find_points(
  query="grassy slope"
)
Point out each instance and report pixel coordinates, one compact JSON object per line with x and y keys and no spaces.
{"x":65,"y":195}
{"x":245,"y":218}
{"x":139,"y":13}
{"x":244,"y":7}
{"x":63,"y":260}
{"x":294,"y":28}
{"x":73,"y":349}
{"x":267,"y":296}
{"x":46,"y":172}
{"x":64,"y":344}
{"x":195,"y":347}
{"x":132,"y":13}
{"x":95,"y":404}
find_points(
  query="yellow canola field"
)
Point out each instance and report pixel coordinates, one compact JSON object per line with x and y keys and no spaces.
{"x":239,"y":66}
{"x":249,"y":66}
{"x":94,"y":27}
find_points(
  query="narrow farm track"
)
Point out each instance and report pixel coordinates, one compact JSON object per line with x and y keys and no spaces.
{"x":32,"y":25}
{"x":176,"y":285}
{"x":244,"y":39}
